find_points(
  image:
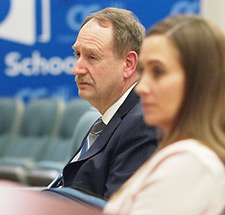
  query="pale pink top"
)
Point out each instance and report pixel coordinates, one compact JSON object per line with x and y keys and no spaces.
{"x":185,"y":178}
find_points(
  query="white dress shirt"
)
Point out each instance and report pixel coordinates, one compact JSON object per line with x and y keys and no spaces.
{"x":107,"y":116}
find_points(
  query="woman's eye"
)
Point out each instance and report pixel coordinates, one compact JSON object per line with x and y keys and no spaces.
{"x":140,"y":69}
{"x":157,"y":72}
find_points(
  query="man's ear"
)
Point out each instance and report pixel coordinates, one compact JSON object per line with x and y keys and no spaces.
{"x":131,"y":60}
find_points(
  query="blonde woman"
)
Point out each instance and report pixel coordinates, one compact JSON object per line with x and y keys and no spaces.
{"x":182,"y":90}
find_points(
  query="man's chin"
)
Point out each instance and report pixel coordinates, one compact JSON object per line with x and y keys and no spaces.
{"x":85,"y":95}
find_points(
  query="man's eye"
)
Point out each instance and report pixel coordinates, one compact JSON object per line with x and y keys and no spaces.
{"x":76,"y":54}
{"x":92,"y":57}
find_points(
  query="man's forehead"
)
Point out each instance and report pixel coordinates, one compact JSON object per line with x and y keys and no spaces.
{"x":94,"y":36}
{"x":96,"y":28}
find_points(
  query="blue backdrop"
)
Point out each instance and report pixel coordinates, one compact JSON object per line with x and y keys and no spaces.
{"x":36,"y":37}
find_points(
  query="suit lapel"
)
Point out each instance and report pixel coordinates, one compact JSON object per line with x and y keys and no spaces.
{"x":103,"y":139}
{"x":108,"y":131}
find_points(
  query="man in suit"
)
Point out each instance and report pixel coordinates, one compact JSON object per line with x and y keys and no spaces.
{"x":106,"y":50}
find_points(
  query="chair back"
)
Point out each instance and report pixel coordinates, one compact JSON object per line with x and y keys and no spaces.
{"x":11,"y":111}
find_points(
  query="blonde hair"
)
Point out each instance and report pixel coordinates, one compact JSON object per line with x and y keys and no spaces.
{"x":201,"y":48}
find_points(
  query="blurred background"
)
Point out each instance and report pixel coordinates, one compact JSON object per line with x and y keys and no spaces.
{"x":36,"y":37}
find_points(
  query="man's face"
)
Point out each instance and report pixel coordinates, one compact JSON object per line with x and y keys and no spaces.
{"x":99,"y":73}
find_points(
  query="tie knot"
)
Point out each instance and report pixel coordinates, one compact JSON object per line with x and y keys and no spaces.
{"x":92,"y":136}
{"x":98,"y":127}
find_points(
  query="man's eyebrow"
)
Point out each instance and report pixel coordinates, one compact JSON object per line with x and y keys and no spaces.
{"x":88,"y":50}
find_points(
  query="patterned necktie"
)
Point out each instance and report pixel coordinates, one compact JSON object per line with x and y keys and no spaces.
{"x":96,"y":129}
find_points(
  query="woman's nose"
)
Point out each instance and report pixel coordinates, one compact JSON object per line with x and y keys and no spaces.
{"x":143,"y":86}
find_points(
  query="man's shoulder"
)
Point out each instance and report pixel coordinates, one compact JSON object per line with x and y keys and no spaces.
{"x":130,"y":105}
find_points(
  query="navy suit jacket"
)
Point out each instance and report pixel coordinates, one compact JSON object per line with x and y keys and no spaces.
{"x":121,"y":148}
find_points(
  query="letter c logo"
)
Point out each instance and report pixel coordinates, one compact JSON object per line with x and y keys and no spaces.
{"x":5,"y":7}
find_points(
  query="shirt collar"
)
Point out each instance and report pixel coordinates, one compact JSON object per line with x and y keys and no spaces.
{"x":107,"y":116}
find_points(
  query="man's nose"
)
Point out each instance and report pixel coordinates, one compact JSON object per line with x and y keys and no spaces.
{"x":79,"y":67}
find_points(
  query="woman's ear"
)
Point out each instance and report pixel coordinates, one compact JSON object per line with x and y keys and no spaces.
{"x":131,"y":60}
